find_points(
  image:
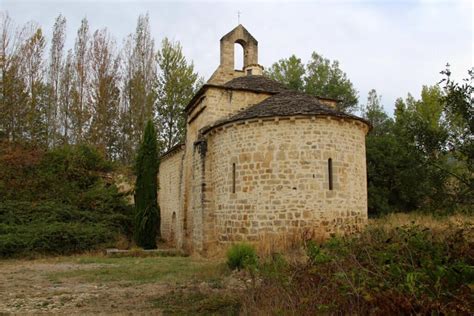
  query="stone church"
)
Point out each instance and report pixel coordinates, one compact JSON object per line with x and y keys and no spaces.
{"x":260,"y":160}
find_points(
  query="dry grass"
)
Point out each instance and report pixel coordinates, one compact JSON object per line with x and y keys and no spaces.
{"x":287,"y":284}
{"x":401,"y":264}
{"x":97,"y":284}
{"x":436,"y":223}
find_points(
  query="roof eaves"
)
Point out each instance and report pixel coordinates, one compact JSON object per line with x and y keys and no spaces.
{"x":172,"y":150}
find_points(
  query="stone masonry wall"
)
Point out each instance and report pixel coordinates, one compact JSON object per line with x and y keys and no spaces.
{"x":169,"y":195}
{"x":281,"y":183}
{"x":217,"y":104}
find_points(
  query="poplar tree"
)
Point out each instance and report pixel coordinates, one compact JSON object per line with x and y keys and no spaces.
{"x":66,"y":92}
{"x":54,"y":77}
{"x":13,"y":92}
{"x":104,"y":93}
{"x":33,"y":73}
{"x":79,"y":112}
{"x":176,"y":85}
{"x":147,"y":213}
{"x":139,"y":95}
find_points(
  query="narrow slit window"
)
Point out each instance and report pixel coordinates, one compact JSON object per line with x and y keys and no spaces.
{"x":330,"y":173}
{"x":233,"y":178}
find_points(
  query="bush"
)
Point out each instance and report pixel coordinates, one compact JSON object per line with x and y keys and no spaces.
{"x":410,"y":269}
{"x":241,"y":255}
{"x":53,"y":238}
{"x":58,"y":202}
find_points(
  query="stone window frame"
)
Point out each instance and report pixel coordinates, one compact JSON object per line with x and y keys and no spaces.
{"x":233,"y":176}
{"x":330,"y":174}
{"x":234,"y":167}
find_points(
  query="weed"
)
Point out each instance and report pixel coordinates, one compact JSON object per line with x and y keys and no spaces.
{"x":241,"y":255}
{"x":197,"y":303}
{"x":139,"y":270}
{"x":407,"y":269}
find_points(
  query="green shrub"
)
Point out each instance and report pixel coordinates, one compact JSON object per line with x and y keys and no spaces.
{"x":50,"y":227}
{"x":58,"y":202}
{"x":383,"y":270}
{"x":275,"y":268}
{"x":241,"y":255}
{"x":315,"y":253}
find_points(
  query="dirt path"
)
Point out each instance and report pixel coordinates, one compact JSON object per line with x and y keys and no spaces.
{"x":32,"y":287}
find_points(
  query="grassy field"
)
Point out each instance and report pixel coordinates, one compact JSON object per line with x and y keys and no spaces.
{"x":98,"y":284}
{"x":390,"y":264}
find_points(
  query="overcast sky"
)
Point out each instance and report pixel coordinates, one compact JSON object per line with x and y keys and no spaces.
{"x":392,"y":46}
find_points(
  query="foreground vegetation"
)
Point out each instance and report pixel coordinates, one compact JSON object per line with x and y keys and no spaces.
{"x":58,"y":201}
{"x":400,"y":264}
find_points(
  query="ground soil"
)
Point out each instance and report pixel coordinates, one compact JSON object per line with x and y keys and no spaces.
{"x":26,"y":287}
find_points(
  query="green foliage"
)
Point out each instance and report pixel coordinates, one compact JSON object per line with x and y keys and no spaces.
{"x":459,"y":112}
{"x":397,"y":178}
{"x":241,"y":255}
{"x":421,"y":160}
{"x":57,"y":202}
{"x":290,"y":72}
{"x":276,"y":267}
{"x":319,"y":77}
{"x":197,"y":302}
{"x":176,"y":85}
{"x":147,"y":213}
{"x":384,"y":270}
{"x":58,"y":238}
{"x":315,"y":253}
{"x":139,"y":270}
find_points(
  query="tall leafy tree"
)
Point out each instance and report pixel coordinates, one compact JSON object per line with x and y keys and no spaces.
{"x":32,"y":65}
{"x":411,"y":164}
{"x":13,"y":91}
{"x":125,"y":146}
{"x":290,"y":72}
{"x":325,"y":78}
{"x":373,"y":112}
{"x":422,"y":121}
{"x":458,"y":103}
{"x":104,"y":93}
{"x":54,"y":75}
{"x":147,"y":213}
{"x":66,"y":94}
{"x":79,"y":112}
{"x":176,"y":83}
{"x":319,"y":77}
{"x":397,"y":177}
{"x":139,"y":95}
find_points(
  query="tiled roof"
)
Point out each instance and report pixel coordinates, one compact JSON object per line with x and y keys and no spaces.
{"x":255,"y":83}
{"x":286,"y":103}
